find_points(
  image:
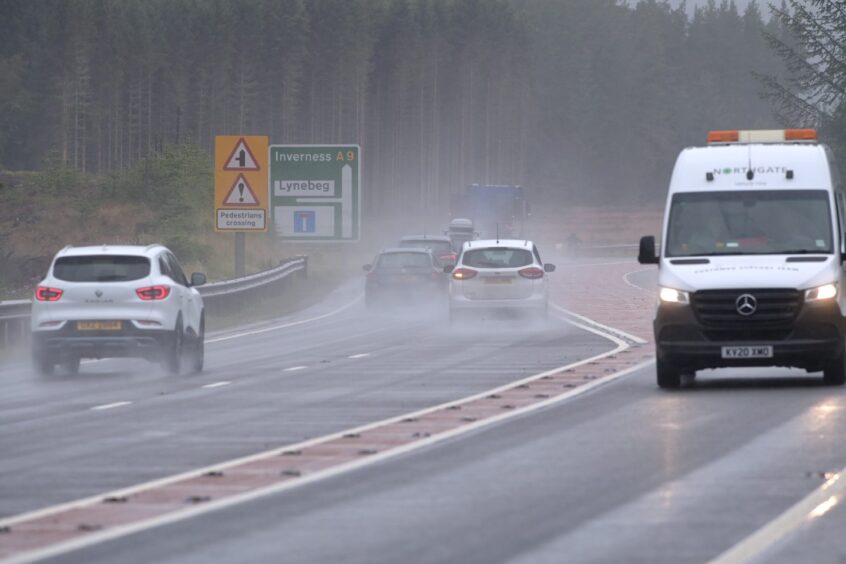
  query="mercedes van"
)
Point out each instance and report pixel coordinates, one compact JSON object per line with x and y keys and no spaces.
{"x":751,"y":265}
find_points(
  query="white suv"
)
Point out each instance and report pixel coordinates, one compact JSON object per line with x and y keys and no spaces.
{"x":117,"y":301}
{"x":499,"y":275}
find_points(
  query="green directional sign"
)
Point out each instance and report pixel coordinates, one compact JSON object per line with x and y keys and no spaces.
{"x":315,"y":192}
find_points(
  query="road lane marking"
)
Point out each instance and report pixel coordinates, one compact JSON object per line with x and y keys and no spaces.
{"x":285,"y":325}
{"x":110,"y":405}
{"x":813,"y":506}
{"x":632,"y":284}
{"x":216,"y":385}
{"x":178,"y":515}
{"x":605,"y":328}
{"x":295,"y":368}
{"x":361,"y":355}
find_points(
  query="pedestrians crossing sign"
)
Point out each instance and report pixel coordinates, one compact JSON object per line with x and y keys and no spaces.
{"x":240,"y":183}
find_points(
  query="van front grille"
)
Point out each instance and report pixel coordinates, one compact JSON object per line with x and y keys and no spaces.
{"x":774,"y":308}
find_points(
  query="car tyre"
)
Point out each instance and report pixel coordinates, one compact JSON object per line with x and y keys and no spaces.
{"x":668,"y":375}
{"x":43,"y":365}
{"x":198,"y":357}
{"x":71,"y":365}
{"x":834,"y":372}
{"x":172,"y":361}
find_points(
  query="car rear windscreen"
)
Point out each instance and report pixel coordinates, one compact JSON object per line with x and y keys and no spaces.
{"x":101,"y":268}
{"x":437,"y":247}
{"x":497,"y":257}
{"x":405,"y":260}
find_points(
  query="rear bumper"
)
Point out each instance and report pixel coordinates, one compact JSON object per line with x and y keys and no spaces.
{"x":815,"y":337}
{"x":128,"y":343}
{"x":534,"y":302}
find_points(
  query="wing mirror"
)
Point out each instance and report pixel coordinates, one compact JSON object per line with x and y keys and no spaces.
{"x":367,"y":267}
{"x":646,"y":253}
{"x":549,"y":267}
{"x":197,"y":279}
{"x":449,"y":268}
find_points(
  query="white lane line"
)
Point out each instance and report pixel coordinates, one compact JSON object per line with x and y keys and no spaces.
{"x":285,"y":325}
{"x":606,"y":330}
{"x":811,"y":507}
{"x":361,"y":355}
{"x":121,"y":531}
{"x":295,"y":368}
{"x":216,"y":385}
{"x":214,"y":505}
{"x":632,"y":284}
{"x":110,"y":405}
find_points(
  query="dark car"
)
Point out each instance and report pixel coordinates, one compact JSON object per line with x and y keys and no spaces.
{"x":404,"y":276}
{"x":440,"y":246}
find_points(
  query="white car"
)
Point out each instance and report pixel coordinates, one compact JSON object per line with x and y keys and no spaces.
{"x":117,"y":301}
{"x":499,"y":275}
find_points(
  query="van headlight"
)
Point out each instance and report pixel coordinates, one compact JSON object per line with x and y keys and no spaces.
{"x":824,"y":292}
{"x":673,"y":296}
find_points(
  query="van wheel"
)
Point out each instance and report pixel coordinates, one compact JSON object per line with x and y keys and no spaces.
{"x":668,"y":375}
{"x":834,"y":373}
{"x":172,"y":361}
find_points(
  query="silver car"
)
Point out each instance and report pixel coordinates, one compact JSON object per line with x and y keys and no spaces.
{"x":499,"y":275}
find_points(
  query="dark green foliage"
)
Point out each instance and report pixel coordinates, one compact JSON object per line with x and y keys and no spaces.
{"x":810,"y":36}
{"x":581,"y":100}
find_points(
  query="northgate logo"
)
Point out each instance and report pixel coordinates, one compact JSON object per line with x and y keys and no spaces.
{"x":756,"y":169}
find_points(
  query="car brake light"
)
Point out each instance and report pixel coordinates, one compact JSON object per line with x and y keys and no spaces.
{"x":463,"y":274}
{"x":45,"y":294}
{"x":532,"y":272}
{"x":153,"y":292}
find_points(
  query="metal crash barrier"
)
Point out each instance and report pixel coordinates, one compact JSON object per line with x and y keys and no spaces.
{"x":220,"y":298}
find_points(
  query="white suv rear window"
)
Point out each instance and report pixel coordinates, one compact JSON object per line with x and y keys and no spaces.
{"x":497,"y":257}
{"x":101,"y":268}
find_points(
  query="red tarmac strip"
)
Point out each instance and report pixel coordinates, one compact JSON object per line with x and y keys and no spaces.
{"x":596,"y":292}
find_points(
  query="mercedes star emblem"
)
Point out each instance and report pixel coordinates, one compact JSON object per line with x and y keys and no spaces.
{"x":98,"y":293}
{"x":746,"y":304}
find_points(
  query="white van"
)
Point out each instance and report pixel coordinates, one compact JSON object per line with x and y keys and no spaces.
{"x":751,"y":269}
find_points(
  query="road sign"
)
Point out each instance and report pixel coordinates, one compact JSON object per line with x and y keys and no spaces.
{"x":240,"y":183}
{"x":315,"y":192}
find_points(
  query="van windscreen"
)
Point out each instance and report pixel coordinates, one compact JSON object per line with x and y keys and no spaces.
{"x":750,"y":222}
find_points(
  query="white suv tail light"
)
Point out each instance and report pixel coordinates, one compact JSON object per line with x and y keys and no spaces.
{"x":153,"y":292}
{"x":46,"y":294}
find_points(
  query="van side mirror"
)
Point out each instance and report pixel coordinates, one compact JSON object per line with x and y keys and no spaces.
{"x":549,"y":267}
{"x":367,"y":267}
{"x":449,"y":268}
{"x":646,"y":254}
{"x":197,"y":279}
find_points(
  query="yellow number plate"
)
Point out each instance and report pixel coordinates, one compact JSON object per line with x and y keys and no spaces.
{"x":99,"y":325}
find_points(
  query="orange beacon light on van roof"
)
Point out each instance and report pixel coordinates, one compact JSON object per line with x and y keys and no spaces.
{"x":761,"y":135}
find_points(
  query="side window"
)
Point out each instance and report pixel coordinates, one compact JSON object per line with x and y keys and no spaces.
{"x":176,"y":271}
{"x":164,"y":267}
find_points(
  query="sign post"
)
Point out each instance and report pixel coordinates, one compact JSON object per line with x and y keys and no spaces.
{"x":315,"y":192}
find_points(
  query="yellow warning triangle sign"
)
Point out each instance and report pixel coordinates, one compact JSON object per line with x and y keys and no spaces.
{"x":241,"y":194}
{"x":241,"y":158}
